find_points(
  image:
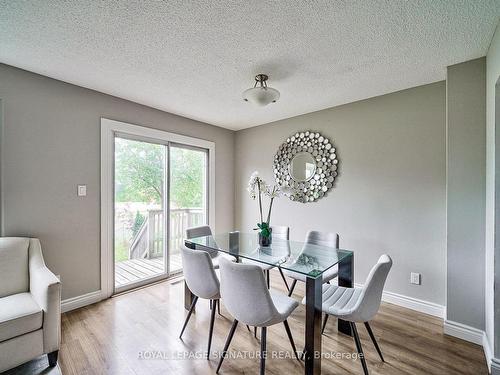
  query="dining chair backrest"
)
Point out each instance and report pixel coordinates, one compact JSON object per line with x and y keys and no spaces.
{"x":314,"y":237}
{"x":280,"y":231}
{"x":245,"y":294}
{"x":199,"y":273}
{"x":200,"y":231}
{"x":371,"y":294}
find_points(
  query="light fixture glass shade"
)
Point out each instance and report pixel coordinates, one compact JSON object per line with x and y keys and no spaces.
{"x":261,"y":96}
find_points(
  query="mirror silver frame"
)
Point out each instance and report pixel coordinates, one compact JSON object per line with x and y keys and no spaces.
{"x":322,"y":150}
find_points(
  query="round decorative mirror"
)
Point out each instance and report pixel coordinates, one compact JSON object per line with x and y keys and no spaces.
{"x":302,"y":167}
{"x":306,"y":165}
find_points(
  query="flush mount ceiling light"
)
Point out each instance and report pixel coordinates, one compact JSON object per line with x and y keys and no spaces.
{"x":260,"y":94}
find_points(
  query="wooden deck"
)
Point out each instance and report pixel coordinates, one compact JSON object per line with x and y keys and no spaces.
{"x":132,"y":270}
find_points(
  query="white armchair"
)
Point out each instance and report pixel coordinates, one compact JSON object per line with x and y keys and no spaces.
{"x":30,"y":304}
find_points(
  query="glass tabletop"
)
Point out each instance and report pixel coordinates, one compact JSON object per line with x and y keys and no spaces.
{"x":307,"y":259}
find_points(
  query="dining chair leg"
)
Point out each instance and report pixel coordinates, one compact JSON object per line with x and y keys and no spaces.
{"x":248,"y":327}
{"x":193,"y":304}
{"x":289,"y":333}
{"x":263,"y":337}
{"x":325,"y":319}
{"x":284,"y":279}
{"x":218,"y":306}
{"x":226,"y":345}
{"x":255,"y":331}
{"x":372,"y":336}
{"x":210,"y":304}
{"x":292,"y":287}
{"x":211,"y":331}
{"x":268,"y":276}
{"x":358,"y":346}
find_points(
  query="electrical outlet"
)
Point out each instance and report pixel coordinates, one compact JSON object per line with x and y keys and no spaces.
{"x":415,"y":278}
{"x":82,"y":190}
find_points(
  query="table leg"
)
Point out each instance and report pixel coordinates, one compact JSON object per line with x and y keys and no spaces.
{"x":313,"y":326}
{"x":346,"y":279}
{"x":188,"y":295}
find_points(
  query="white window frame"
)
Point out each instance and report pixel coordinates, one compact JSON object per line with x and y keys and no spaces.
{"x":110,"y":128}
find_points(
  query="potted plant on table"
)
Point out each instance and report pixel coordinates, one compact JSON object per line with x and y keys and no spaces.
{"x":258,"y":187}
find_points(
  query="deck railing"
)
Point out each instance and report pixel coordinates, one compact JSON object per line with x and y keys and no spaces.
{"x":148,"y":243}
{"x":180,"y":220}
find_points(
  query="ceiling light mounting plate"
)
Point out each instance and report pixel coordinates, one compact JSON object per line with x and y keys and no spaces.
{"x":261,"y":78}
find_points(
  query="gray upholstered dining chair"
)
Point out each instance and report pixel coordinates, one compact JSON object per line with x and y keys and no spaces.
{"x":204,"y":230}
{"x":201,"y":279}
{"x":323,"y":239}
{"x":359,"y":305}
{"x":281,"y":232}
{"x":249,"y":301}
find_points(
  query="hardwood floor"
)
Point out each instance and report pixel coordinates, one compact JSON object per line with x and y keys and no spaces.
{"x":137,"y":333}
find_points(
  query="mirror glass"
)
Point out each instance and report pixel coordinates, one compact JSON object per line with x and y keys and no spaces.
{"x":302,"y":167}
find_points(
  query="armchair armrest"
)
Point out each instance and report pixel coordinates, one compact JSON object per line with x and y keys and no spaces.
{"x":45,"y":288}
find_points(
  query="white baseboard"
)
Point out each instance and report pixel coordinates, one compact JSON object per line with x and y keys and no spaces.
{"x":488,"y":352}
{"x":411,"y":303}
{"x":80,"y":301}
{"x":422,"y":306}
{"x":475,"y":336}
{"x":464,"y":332}
{"x":495,"y":366}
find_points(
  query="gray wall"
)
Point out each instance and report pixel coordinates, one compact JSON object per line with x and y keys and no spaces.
{"x":494,"y":297}
{"x":51,"y":143}
{"x":390,"y":196}
{"x":466,"y":187}
{"x":492,"y":279}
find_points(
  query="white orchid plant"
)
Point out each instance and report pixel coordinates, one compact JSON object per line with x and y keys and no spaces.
{"x":258,"y":187}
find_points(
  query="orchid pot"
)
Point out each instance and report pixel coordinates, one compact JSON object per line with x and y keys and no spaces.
{"x":265,"y":235}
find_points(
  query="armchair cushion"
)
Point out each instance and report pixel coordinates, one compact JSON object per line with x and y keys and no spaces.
{"x":14,"y":265}
{"x":19,"y":314}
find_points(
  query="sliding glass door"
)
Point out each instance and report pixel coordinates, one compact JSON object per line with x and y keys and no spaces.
{"x":151,"y":178}
{"x":139,"y":250}
{"x":188,"y":196}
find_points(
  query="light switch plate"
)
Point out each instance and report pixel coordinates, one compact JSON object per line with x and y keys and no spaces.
{"x":415,"y":278}
{"x":82,"y":190}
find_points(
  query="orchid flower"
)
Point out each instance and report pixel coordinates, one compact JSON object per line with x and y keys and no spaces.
{"x":255,"y":183}
{"x":273,"y":192}
{"x":256,"y":187}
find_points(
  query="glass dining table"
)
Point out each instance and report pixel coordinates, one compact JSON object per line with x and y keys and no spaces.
{"x":302,"y":258}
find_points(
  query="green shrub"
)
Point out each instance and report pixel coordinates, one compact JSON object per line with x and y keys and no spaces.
{"x":138,"y":221}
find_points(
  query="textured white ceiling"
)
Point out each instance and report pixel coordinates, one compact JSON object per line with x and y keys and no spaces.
{"x":194,"y":58}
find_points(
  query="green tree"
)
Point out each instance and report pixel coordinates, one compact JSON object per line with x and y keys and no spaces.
{"x":138,"y":171}
{"x":139,"y":174}
{"x":187,"y":176}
